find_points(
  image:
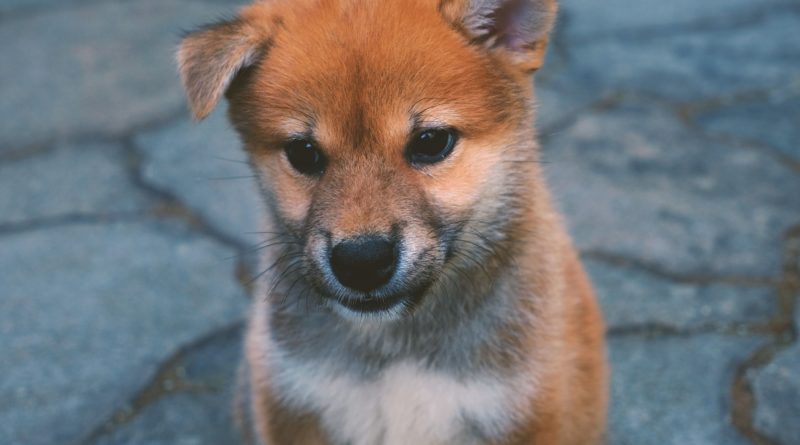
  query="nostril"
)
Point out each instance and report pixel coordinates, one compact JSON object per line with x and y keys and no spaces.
{"x":364,"y":263}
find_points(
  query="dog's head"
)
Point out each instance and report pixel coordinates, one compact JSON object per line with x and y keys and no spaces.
{"x":393,"y":139}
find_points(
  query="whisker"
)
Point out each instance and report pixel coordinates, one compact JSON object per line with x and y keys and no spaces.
{"x":292,"y":268}
{"x":228,"y":178}
{"x":236,"y":161}
{"x":257,"y":248}
{"x":274,"y":264}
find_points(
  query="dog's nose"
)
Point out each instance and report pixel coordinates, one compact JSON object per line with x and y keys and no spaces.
{"x":364,"y":263}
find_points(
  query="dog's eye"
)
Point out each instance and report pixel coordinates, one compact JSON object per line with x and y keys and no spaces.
{"x":305,"y":157}
{"x":431,"y":146}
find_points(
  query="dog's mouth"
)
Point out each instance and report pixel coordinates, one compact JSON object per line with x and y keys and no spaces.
{"x":389,"y":302}
{"x":373,"y":305}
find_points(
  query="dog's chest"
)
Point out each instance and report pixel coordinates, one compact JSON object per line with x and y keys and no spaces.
{"x":407,"y":404}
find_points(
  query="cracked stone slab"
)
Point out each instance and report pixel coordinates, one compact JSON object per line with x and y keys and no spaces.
{"x":71,"y":180}
{"x":590,"y":19}
{"x":89,"y":312}
{"x":199,"y":416}
{"x":634,"y":297}
{"x":690,"y":64}
{"x":675,"y":390}
{"x":772,"y":121}
{"x":633,"y":181}
{"x":70,"y":70}
{"x":204,"y":166}
{"x":777,"y":392}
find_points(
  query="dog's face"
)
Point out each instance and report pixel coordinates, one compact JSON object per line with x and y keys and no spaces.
{"x":391,"y":138}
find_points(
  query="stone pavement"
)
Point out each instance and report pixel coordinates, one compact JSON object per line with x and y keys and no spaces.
{"x":671,"y":135}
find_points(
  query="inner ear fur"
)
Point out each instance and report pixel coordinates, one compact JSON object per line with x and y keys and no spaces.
{"x":211,"y":57}
{"x":518,"y":28}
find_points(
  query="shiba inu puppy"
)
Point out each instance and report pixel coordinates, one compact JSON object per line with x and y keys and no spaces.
{"x":418,"y":286}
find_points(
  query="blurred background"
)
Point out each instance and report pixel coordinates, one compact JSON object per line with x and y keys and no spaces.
{"x":671,"y":135}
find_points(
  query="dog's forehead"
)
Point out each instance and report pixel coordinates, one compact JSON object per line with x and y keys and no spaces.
{"x":373,"y":70}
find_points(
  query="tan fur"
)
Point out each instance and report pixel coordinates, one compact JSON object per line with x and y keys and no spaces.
{"x":353,"y":72}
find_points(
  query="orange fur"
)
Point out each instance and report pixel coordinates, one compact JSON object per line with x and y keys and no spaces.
{"x":352,"y":71}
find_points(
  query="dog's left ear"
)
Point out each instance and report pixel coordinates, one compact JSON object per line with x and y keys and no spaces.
{"x":519,"y":28}
{"x":209,"y":59}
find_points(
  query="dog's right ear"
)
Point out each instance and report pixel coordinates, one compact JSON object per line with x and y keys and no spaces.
{"x":210,"y":58}
{"x":518,"y":28}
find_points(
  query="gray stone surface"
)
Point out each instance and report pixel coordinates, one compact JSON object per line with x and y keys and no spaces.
{"x":634,"y":181}
{"x":556,"y":105}
{"x":773,"y":120}
{"x":45,"y":185}
{"x":685,"y":65}
{"x":11,"y":9}
{"x":777,"y":392}
{"x":199,"y":410}
{"x":675,"y":390}
{"x":98,"y":67}
{"x":204,"y":166}
{"x":90,"y":311}
{"x":16,"y":6}
{"x":589,"y":19}
{"x":635,"y":298}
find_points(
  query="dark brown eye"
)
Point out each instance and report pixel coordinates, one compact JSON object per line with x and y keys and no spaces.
{"x":431,"y":146}
{"x":305,"y":157}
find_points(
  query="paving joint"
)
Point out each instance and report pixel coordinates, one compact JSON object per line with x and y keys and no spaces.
{"x":10,"y":155}
{"x":170,"y":205}
{"x":30,"y":225}
{"x":687,"y":113}
{"x":652,"y":330}
{"x":623,"y":261}
{"x":743,"y":398}
{"x":169,"y":379}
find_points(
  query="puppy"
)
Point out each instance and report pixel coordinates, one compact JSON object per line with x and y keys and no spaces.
{"x":419,"y":288}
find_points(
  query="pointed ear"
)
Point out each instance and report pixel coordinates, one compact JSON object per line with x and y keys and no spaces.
{"x":210,"y":58}
{"x":518,"y":27}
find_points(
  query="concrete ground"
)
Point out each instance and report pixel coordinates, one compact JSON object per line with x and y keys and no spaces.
{"x":671,"y":132}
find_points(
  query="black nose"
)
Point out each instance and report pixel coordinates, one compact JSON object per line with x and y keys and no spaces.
{"x":364,"y":263}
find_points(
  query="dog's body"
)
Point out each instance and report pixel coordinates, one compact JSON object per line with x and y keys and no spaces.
{"x":532,"y":377}
{"x":401,"y":133}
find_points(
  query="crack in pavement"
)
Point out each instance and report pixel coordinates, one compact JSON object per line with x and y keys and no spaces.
{"x":623,"y":261}
{"x":169,"y":379}
{"x":29,"y":225}
{"x":8,"y":155}
{"x":743,"y":398}
{"x":687,"y":113}
{"x":172,"y":206}
{"x":651,"y":330}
